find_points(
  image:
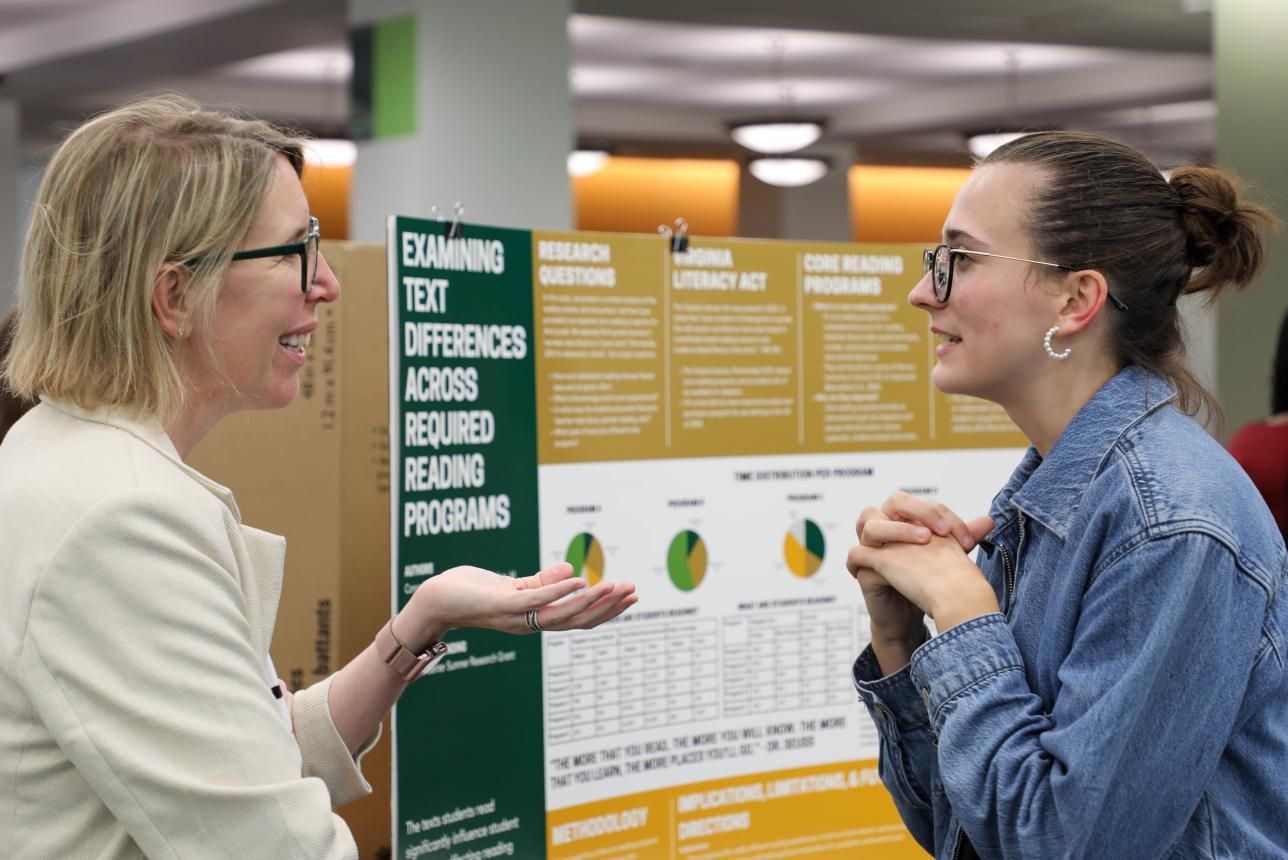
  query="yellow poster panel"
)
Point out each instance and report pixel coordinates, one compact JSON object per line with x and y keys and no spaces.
{"x":733,"y":349}
{"x":968,"y":422}
{"x":598,"y":309}
{"x":838,"y":810}
{"x":865,"y":373}
{"x":738,"y":347}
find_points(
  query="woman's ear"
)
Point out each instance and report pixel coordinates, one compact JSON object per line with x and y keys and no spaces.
{"x":168,"y":300}
{"x":1083,"y":301}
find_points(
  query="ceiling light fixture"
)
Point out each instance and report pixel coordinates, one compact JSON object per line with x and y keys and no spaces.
{"x":982,"y":144}
{"x":782,"y":133}
{"x":777,"y":136}
{"x":790,"y":171}
{"x":330,"y":152}
{"x":584,"y":162}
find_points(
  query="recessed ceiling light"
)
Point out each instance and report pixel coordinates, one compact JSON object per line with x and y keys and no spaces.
{"x":789,"y":172}
{"x":584,"y":162}
{"x":328,"y":152}
{"x":982,"y":144}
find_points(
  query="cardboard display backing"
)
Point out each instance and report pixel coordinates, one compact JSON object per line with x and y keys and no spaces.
{"x":317,"y":472}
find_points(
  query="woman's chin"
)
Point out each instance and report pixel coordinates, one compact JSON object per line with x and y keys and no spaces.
{"x":278,"y":396}
{"x":945,"y":381}
{"x":284,"y":395}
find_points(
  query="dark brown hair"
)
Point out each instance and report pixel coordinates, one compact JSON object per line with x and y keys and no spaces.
{"x":1105,"y":206}
{"x":12,"y":407}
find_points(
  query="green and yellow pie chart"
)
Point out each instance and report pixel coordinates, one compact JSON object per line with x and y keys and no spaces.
{"x":586,"y":556}
{"x":686,"y":560}
{"x":803,"y":548}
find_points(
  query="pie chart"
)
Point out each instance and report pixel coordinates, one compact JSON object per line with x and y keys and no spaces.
{"x":686,"y":560}
{"x":803,"y":548}
{"x":586,"y":557}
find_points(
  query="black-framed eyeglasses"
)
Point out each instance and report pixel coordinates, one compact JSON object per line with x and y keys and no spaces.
{"x":307,"y":249}
{"x":941,"y":261}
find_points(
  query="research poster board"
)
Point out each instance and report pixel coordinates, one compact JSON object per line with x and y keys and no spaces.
{"x":706,"y":424}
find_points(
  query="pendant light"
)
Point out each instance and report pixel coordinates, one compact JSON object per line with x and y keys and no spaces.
{"x":773,"y":137}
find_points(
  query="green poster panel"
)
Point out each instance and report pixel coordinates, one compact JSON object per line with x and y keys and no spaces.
{"x":468,"y":777}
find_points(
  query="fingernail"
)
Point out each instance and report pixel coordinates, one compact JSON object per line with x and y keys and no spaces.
{"x":921,"y":534}
{"x":967,"y":541}
{"x":942,"y":526}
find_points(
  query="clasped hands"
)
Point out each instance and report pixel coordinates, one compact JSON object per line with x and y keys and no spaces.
{"x":473,"y":597}
{"x":911,"y":562}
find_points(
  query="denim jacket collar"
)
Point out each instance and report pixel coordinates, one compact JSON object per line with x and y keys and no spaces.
{"x":1049,"y":490}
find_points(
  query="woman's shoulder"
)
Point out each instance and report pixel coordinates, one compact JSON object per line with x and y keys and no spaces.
{"x":54,"y":466}
{"x":1179,"y":478}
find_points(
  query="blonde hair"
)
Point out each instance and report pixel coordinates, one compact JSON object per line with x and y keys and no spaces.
{"x":161,"y":180}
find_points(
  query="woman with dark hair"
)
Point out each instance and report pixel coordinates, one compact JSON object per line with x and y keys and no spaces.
{"x":1261,"y":447}
{"x":1107,"y":677}
{"x":11,"y":407}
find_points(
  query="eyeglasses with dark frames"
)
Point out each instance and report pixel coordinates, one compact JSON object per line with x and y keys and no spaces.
{"x":941,"y":261}
{"x":306,"y":249}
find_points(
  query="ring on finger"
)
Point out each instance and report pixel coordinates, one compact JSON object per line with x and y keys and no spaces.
{"x":533,"y":623}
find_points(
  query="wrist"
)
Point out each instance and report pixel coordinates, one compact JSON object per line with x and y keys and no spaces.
{"x":894,"y":649}
{"x":964,"y":605}
{"x":416,"y":625}
{"x":910,"y":636}
{"x":407,"y":663}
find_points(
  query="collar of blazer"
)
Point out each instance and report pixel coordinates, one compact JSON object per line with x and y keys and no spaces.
{"x":148,"y":430}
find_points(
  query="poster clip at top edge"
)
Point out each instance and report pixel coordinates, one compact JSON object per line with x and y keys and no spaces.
{"x":679,"y":238}
{"x":451,"y":229}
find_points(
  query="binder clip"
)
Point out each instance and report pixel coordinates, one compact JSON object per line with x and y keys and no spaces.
{"x":455,"y":228}
{"x":679,"y":238}
{"x":451,"y":229}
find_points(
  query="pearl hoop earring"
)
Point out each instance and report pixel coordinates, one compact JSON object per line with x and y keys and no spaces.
{"x":1046,"y":344}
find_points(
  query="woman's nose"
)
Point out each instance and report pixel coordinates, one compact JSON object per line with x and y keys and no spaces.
{"x":922,"y":294}
{"x":326,"y":286}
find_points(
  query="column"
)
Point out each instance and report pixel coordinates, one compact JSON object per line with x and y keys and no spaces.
{"x":820,"y":211}
{"x":706,"y":671}
{"x":679,"y":673}
{"x":1251,"y":73}
{"x":559,"y":711}
{"x":816,"y":212}
{"x":471,"y":104}
{"x":737,"y":667}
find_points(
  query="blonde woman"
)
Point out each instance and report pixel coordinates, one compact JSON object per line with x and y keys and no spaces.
{"x":138,"y":715}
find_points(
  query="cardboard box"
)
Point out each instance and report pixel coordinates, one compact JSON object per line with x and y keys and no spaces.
{"x":317,"y":472}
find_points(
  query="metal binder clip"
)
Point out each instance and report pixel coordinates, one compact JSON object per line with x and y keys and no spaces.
{"x":679,"y":238}
{"x":680,"y":242}
{"x":453,"y":230}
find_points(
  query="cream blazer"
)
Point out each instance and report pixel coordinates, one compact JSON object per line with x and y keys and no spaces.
{"x":136,"y":715}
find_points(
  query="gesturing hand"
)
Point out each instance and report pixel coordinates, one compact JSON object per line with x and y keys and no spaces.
{"x":473,"y":597}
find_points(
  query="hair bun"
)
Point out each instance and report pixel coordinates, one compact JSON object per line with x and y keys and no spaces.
{"x":1223,"y":231}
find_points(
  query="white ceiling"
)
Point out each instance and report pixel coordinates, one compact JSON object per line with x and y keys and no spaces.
{"x":900,"y":79}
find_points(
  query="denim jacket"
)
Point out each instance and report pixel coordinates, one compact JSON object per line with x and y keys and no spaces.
{"x":1130,"y":699}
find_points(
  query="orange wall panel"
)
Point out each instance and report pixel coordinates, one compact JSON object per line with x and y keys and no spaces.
{"x":902,"y":204}
{"x":635,"y":195}
{"x":327,"y":188}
